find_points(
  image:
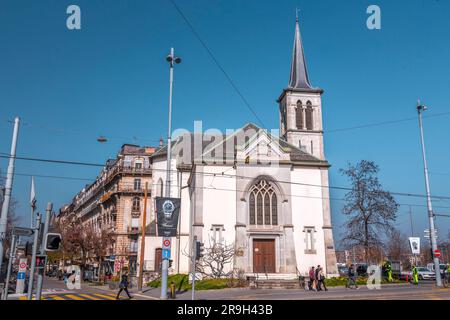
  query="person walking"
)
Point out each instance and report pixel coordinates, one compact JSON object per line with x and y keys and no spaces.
{"x":312,"y":284}
{"x":351,"y":277}
{"x":321,"y":279}
{"x":415,"y":275}
{"x":317,"y":279}
{"x":123,"y":285}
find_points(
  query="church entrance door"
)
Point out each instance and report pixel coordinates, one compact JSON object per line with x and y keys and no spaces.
{"x":264,"y":255}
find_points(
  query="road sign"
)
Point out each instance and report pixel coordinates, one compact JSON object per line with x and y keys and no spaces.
{"x":25,"y":232}
{"x":166,"y":253}
{"x":437,"y":253}
{"x":21,"y":275}
{"x":166,"y":243}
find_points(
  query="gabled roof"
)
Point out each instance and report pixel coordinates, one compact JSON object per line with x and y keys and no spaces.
{"x":250,"y":131}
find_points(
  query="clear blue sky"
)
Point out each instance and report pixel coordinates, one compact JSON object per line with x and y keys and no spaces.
{"x":110,"y":78}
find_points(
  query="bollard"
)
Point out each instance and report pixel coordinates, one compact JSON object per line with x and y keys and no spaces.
{"x":172,"y":290}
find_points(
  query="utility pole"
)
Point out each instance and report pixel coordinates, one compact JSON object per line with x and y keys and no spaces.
{"x":8,"y":189}
{"x":144,"y":222}
{"x":10,"y":262}
{"x":165,"y":261}
{"x":41,"y":272}
{"x":33,"y":257}
{"x":420,"y":109}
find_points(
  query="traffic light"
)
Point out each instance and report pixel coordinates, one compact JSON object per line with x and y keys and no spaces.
{"x":52,"y":241}
{"x":199,"y":247}
{"x":170,"y":263}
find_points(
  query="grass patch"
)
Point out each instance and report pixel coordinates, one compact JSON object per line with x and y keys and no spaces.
{"x":182,"y":283}
{"x":342,"y":281}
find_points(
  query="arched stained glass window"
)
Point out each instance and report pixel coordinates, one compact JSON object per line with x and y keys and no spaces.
{"x":263,"y":204}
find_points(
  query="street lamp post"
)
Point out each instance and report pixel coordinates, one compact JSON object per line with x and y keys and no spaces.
{"x":8,"y":190}
{"x":420,"y":109}
{"x":165,"y":261}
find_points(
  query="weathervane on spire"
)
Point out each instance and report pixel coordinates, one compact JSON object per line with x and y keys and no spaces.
{"x":296,"y":13}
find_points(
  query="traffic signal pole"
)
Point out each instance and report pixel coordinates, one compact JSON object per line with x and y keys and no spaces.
{"x":420,"y":109}
{"x":33,"y":257}
{"x":41,"y":272}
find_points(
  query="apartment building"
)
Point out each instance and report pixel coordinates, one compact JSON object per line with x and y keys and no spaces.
{"x":114,"y":202}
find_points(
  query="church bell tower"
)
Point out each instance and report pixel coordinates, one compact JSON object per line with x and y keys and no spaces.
{"x":301,"y":105}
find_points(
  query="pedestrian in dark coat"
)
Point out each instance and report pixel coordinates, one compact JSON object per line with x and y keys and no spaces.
{"x":123,"y":285}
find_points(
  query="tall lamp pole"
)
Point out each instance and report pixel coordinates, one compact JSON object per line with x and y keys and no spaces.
{"x":8,"y":190}
{"x":165,"y":261}
{"x":421,"y":108}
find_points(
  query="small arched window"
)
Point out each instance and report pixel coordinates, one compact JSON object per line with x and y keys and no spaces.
{"x":309,"y":116}
{"x":136,"y":204}
{"x":263,"y":208}
{"x":299,"y":115}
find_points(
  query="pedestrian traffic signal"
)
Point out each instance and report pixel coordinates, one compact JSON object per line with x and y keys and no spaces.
{"x":52,"y":241}
{"x":199,"y":247}
{"x":170,"y":263}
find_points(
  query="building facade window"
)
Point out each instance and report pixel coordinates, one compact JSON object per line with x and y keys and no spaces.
{"x":309,"y":240}
{"x":136,"y":204}
{"x":309,"y":116}
{"x":299,"y":115}
{"x":263,"y":205}
{"x":160,"y":188}
{"x":137,"y":184}
{"x":216,"y":235}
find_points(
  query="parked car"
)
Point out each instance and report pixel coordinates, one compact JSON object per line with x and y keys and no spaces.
{"x":425,"y":274}
{"x":361,"y":269}
{"x":343,"y":271}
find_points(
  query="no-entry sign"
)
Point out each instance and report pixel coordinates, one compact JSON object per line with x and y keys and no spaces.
{"x":437,"y":253}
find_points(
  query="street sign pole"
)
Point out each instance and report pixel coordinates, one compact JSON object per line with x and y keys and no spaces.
{"x":33,"y":257}
{"x":8,"y":273}
{"x":8,"y":190}
{"x":420,"y":109}
{"x":21,"y":275}
{"x":41,"y":273}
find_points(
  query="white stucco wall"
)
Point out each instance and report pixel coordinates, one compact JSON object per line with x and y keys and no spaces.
{"x":307,"y":211}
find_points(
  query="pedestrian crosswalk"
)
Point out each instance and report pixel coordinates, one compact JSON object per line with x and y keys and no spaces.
{"x":78,"y":296}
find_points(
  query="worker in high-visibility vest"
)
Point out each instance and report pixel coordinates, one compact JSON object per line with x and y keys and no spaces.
{"x":389,"y":271}
{"x":415,"y":275}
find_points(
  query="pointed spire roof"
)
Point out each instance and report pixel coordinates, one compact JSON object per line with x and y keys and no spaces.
{"x":299,"y":74}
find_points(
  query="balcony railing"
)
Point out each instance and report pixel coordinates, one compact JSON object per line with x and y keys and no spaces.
{"x":134,"y":230}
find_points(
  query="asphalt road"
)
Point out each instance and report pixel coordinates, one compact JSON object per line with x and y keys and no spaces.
{"x":56,"y":290}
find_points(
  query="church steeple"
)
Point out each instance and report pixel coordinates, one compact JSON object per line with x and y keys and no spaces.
{"x":300,"y":105}
{"x":299,"y":73}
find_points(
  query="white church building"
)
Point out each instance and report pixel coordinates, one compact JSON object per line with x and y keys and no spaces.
{"x":265,"y":195}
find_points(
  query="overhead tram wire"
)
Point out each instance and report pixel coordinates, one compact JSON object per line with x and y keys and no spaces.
{"x":3,"y":155}
{"x":208,"y":50}
{"x":383,"y":123}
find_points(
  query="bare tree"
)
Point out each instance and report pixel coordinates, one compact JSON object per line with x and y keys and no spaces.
{"x":216,"y":261}
{"x":371,"y":209}
{"x":397,"y":247}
